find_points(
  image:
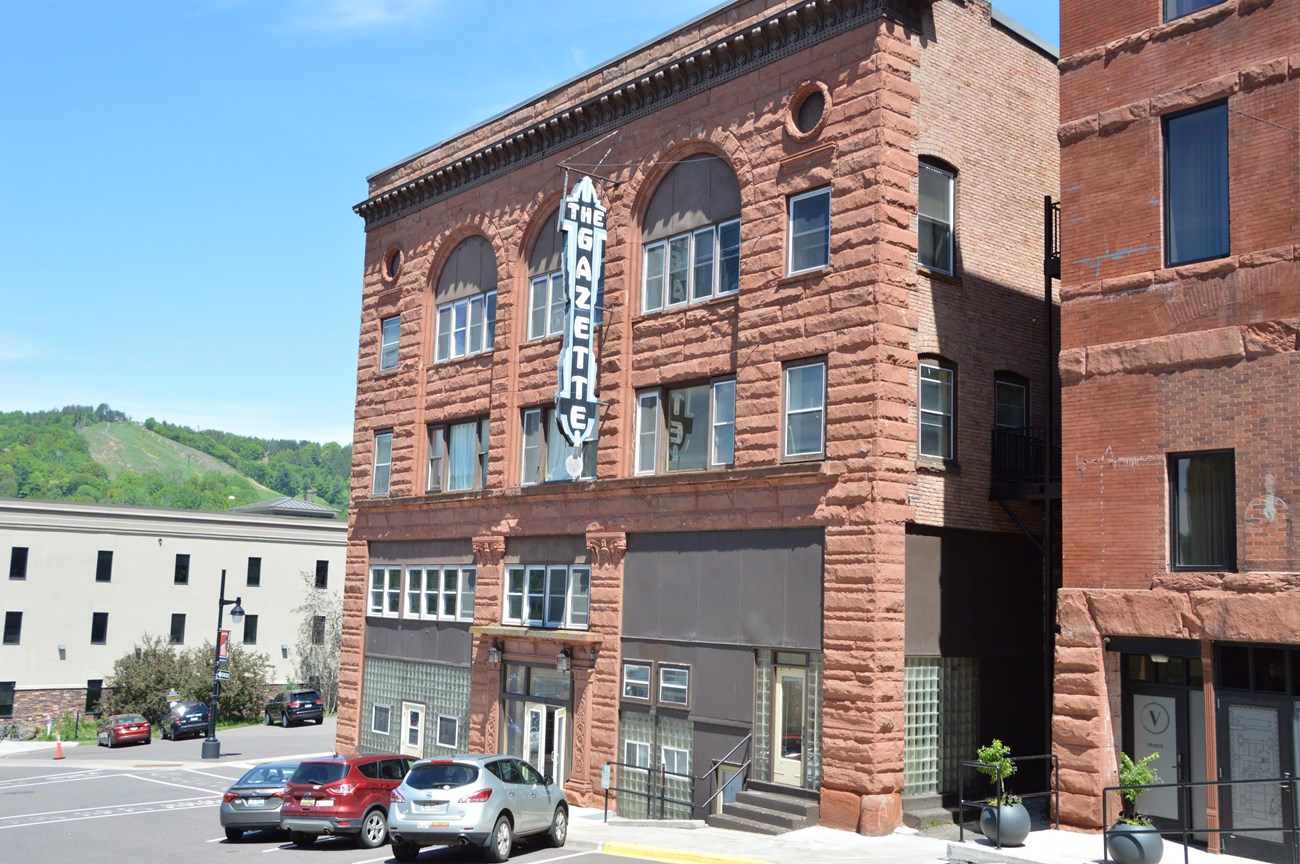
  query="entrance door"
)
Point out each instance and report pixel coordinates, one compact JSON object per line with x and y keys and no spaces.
{"x":1255,"y":743}
{"x":788,"y":724}
{"x":413,"y":729}
{"x":546,"y":736}
{"x":1156,"y":721}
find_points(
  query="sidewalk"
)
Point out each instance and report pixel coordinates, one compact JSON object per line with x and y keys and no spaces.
{"x":697,"y":843}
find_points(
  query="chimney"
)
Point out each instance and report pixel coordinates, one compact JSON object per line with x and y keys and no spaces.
{"x":310,"y":494}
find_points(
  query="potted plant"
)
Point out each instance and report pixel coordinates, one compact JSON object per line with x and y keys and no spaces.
{"x":1133,"y":839}
{"x":1004,"y":820}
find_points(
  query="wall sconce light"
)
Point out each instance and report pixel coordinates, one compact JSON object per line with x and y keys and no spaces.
{"x":63,"y":652}
{"x":1159,"y":658}
{"x":495,"y":650}
{"x":284,"y":651}
{"x":564,"y":660}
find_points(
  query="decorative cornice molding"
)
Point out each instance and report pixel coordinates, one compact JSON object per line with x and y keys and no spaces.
{"x":743,"y":51}
{"x":607,"y":549}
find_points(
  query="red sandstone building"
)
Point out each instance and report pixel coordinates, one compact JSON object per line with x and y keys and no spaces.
{"x":822,"y":295}
{"x":1179,"y":619}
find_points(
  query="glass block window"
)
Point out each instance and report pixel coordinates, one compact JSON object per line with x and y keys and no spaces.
{"x":941,"y":714}
{"x":762,"y":767}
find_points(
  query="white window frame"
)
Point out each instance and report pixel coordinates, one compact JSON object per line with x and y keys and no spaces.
{"x":652,"y":431}
{"x":385,"y":597}
{"x":386,"y":436}
{"x":691,"y":242}
{"x":431,"y":598}
{"x":636,"y":755}
{"x":922,"y":413}
{"x":388,"y":719}
{"x":551,"y":286}
{"x":787,"y":412}
{"x":793,"y":241}
{"x":415,"y":595}
{"x":648,"y":683}
{"x":680,"y":759}
{"x":389,"y":342}
{"x":648,"y":413}
{"x":526,"y":597}
{"x":457,"y":318}
{"x":661,"y":686}
{"x":547,"y":435}
{"x":949,"y":220}
{"x":438,"y":466}
{"x":455,"y":725}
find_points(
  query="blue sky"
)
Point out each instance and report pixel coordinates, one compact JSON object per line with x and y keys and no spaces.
{"x":177,"y":237}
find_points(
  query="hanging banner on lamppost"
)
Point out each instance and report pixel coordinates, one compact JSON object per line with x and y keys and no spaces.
{"x":582,"y":219}
{"x":223,"y":637}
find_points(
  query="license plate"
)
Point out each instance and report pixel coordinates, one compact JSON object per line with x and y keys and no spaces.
{"x":255,"y":802}
{"x":431,"y":806}
{"x":307,"y":802}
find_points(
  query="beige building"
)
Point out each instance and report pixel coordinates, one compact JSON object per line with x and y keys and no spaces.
{"x":86,"y":583}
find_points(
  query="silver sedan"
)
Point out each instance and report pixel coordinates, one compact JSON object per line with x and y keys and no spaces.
{"x":482,"y":801}
{"x":254,"y":801}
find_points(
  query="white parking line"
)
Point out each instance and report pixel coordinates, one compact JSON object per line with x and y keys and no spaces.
{"x":372,"y":860}
{"x":117,"y":812}
{"x":46,"y":779}
{"x":570,"y":855}
{"x":210,"y":774}
{"x":177,"y":785}
{"x":186,"y":801}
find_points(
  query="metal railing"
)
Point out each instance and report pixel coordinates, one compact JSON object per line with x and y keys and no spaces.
{"x":1018,"y":455}
{"x":1186,"y":830}
{"x":1054,"y":791}
{"x":658,"y":793}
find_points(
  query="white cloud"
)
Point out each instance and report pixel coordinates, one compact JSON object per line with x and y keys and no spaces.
{"x":359,"y":14}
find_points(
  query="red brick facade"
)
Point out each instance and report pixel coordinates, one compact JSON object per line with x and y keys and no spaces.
{"x":1160,"y":360}
{"x":932,"y":80}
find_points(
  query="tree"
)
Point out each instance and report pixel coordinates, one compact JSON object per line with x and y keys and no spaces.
{"x":141,"y":680}
{"x":320,"y":640}
{"x":243,"y":696}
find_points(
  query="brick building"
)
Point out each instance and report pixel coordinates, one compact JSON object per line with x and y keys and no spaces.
{"x":822,"y":292}
{"x":1179,"y":621}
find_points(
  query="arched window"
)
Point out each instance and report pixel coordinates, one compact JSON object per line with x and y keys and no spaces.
{"x":466,"y":298}
{"x":938,"y":408}
{"x":546,"y":281}
{"x":936,"y":193}
{"x":691,"y":239}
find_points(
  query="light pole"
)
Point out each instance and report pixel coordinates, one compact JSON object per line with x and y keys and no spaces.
{"x":211,"y":746}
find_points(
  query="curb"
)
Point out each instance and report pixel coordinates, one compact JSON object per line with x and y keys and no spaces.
{"x":659,"y":853}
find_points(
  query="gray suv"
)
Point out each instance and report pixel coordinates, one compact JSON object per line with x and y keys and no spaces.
{"x":482,"y":801}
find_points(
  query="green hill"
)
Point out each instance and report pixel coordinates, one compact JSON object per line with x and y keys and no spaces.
{"x":126,"y":447}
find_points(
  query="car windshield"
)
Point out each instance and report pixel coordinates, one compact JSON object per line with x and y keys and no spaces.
{"x":441,"y":775}
{"x":267,"y":775}
{"x":305,"y":695}
{"x":320,"y":772}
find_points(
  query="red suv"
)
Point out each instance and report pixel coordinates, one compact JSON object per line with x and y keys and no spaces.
{"x":346,"y":794}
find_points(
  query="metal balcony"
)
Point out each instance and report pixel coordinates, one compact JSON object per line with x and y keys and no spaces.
{"x":1018,"y":466}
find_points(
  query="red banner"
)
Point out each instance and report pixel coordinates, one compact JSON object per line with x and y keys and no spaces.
{"x":223,"y":636}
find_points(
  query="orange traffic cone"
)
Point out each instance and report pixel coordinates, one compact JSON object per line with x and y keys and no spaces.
{"x":58,"y":745}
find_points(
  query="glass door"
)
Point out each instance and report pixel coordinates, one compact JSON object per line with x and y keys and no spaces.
{"x":413,"y":730}
{"x":788,"y":725}
{"x":1256,"y":744}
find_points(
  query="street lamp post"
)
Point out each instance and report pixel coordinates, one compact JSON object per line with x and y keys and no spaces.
{"x":211,"y":746}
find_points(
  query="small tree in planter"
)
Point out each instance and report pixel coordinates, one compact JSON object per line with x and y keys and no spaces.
{"x":1133,"y":840}
{"x":1004,"y":820}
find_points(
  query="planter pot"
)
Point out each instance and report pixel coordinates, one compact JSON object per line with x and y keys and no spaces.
{"x":1135,"y":844}
{"x":1011,"y":819}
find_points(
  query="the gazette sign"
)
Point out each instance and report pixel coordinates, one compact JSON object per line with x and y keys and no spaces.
{"x":582,"y":219}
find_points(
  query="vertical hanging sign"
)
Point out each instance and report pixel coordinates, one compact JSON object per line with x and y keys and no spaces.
{"x":582,"y":219}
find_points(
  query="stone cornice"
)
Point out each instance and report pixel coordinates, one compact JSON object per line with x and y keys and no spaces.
{"x":792,"y":29}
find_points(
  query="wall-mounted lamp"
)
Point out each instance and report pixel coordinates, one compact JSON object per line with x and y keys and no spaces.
{"x":284,"y":650}
{"x":564,"y":660}
{"x":63,"y":652}
{"x":1159,"y":658}
{"x":495,"y":650}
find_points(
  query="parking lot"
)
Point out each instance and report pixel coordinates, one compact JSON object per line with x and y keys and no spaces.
{"x":159,"y":802}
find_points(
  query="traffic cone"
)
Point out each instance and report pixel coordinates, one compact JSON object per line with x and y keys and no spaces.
{"x":58,"y":745}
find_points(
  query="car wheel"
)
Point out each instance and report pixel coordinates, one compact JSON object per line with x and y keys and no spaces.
{"x":499,"y":842}
{"x":406,"y":852}
{"x":320,"y":720}
{"x":284,"y":720}
{"x":110,"y":741}
{"x":374,"y":829}
{"x":149,"y":740}
{"x":268,"y":717}
{"x":234,"y":835}
{"x":559,"y":828}
{"x":301,"y":839}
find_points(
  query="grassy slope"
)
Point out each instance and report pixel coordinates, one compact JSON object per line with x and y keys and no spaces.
{"x":125,"y":446}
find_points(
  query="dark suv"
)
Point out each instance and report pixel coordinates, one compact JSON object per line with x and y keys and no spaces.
{"x":342,"y":795}
{"x":295,"y":706}
{"x":184,"y":719}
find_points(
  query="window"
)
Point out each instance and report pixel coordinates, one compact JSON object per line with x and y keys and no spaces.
{"x":383,"y":462}
{"x":805,"y":409}
{"x":674,"y":686}
{"x":99,"y":628}
{"x":691,"y":240}
{"x":13,"y":628}
{"x":676,"y":761}
{"x":1179,"y":8}
{"x":254,"y":572}
{"x":810,"y":231}
{"x":7,"y":698}
{"x":250,"y":629}
{"x":386,"y":591}
{"x":440,"y":592}
{"x":546,"y":305}
{"x":104,"y":566}
{"x":322,"y":574}
{"x":636,"y":754}
{"x":318,"y":630}
{"x":458,"y":455}
{"x":466,"y":301}
{"x":448,"y":731}
{"x":1203,"y":518}
{"x":389,"y":331}
{"x":934,"y":217}
{"x":94,"y":693}
{"x":938,"y":384}
{"x":697,"y":425}
{"x":18,"y":562}
{"x":178,"y":628}
{"x":636,"y":681}
{"x":1196,"y":184}
{"x":692,"y":267}
{"x":379,"y":719}
{"x":181,"y":573}
{"x":547,"y":453}
{"x":553,"y":596}
{"x":1010,"y":402}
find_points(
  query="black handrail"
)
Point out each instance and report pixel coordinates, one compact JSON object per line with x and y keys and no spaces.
{"x":1185,"y":829}
{"x":664,"y":775}
{"x":963,"y":803}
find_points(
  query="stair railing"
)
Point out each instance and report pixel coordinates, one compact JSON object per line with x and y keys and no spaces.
{"x":657,"y":792}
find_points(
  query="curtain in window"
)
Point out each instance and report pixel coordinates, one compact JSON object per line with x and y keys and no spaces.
{"x":1196,"y":185}
{"x":1206,"y":529}
{"x":464,"y":456}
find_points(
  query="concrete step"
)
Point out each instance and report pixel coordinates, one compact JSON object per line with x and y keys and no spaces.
{"x":735,"y":823}
{"x":784,"y":791}
{"x":776,"y":818}
{"x":800,"y":807}
{"x":764,"y":808}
